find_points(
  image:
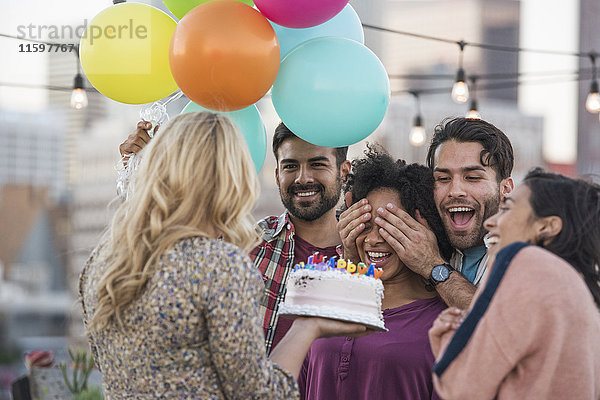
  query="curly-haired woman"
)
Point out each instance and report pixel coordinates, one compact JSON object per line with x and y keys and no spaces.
{"x":396,"y":364}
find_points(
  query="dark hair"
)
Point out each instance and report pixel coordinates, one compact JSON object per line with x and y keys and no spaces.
{"x":497,"y":151}
{"x":283,"y":133}
{"x":577,"y":203}
{"x":414,"y":184}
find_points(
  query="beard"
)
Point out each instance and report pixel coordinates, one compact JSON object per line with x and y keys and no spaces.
{"x":312,"y":209}
{"x":474,"y":237}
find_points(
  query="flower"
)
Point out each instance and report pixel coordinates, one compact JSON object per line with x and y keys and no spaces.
{"x":39,"y":359}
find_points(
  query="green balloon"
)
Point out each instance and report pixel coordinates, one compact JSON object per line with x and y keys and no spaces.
{"x":250,"y":123}
{"x":181,"y":7}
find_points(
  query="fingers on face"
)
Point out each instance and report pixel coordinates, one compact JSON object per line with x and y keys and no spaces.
{"x":353,"y":217}
{"x":392,"y":226}
{"x":391,"y":240}
{"x":358,"y":208}
{"x":394,"y":213}
{"x":349,"y":231}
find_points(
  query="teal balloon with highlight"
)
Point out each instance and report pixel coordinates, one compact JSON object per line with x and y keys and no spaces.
{"x":250,"y":123}
{"x":345,"y":24}
{"x":331,"y":92}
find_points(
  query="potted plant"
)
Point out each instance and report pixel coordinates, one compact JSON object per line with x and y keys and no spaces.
{"x":83,"y":364}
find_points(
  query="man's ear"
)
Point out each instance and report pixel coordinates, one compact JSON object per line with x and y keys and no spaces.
{"x":548,"y":229}
{"x":345,"y":168}
{"x":277,"y":176}
{"x":506,"y":186}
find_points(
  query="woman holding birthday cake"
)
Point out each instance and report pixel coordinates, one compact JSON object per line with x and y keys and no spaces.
{"x":170,"y":297}
{"x":386,"y":365}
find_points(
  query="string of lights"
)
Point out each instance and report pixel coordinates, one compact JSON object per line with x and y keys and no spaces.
{"x":417,"y":134}
{"x":494,"y":76}
{"x":475,"y":44}
{"x":460,"y":89}
{"x":45,"y":87}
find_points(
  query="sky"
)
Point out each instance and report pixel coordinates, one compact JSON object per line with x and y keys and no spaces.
{"x":546,"y":24}
{"x":551,"y":24}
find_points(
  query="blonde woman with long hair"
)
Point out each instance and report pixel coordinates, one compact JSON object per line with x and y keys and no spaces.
{"x":170,"y":297}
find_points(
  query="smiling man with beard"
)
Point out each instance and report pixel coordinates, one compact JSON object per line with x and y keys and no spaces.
{"x":471,"y":161}
{"x":309,"y":179}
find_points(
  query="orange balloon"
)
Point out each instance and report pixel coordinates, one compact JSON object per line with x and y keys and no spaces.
{"x":224,"y":55}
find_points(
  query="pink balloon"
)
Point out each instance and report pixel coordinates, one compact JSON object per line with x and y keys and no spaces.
{"x":300,"y":13}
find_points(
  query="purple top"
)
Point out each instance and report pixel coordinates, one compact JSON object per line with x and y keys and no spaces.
{"x":385,"y":365}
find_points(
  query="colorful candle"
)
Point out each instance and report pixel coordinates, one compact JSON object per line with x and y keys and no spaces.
{"x":362,"y":268}
{"x":351,"y":268}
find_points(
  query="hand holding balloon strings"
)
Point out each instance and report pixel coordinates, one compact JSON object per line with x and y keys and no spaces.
{"x":156,"y":114}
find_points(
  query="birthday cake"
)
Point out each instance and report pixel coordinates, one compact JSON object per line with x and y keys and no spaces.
{"x":338,"y":290}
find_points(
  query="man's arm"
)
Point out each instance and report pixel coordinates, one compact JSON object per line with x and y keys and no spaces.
{"x":456,"y":291}
{"x":416,"y":245}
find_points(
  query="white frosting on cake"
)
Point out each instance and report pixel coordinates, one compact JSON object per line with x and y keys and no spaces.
{"x":334,"y":294}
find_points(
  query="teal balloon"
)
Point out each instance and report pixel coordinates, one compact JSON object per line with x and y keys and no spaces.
{"x":345,"y":24}
{"x":331,"y":92}
{"x":250,"y":123}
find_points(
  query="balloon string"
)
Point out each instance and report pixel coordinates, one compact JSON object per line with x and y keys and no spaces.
{"x":173,"y":97}
{"x":125,"y":168}
{"x":156,"y":113}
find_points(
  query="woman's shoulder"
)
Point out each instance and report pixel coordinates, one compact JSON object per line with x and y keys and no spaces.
{"x":540,"y":273}
{"x":205,"y":251}
{"x":199,"y":245}
{"x":533,"y":260}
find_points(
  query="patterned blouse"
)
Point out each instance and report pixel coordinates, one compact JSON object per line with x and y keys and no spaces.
{"x":194,"y":332}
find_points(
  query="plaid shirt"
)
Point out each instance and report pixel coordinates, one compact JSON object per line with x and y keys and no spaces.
{"x":274,"y":258}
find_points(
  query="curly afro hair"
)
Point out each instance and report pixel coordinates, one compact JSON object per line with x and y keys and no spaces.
{"x":413,"y":183}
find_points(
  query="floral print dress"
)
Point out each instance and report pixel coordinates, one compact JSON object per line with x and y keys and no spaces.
{"x":193,"y":333}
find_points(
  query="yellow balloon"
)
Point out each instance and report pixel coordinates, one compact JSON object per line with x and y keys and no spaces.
{"x":124,"y":53}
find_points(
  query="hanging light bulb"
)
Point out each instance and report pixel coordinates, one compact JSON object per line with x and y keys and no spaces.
{"x":473,"y":113}
{"x":417,"y":134}
{"x":592,"y":104}
{"x":460,"y":90}
{"x":79,"y":98}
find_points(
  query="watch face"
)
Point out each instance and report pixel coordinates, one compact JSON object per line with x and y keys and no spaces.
{"x":440,"y":273}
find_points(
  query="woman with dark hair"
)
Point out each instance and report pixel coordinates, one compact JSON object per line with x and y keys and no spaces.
{"x":533,"y":330}
{"x":396,"y":364}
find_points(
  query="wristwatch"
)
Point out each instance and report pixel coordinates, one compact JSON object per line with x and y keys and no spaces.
{"x":440,"y":273}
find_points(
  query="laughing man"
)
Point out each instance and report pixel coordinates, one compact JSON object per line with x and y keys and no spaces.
{"x":472,"y":162}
